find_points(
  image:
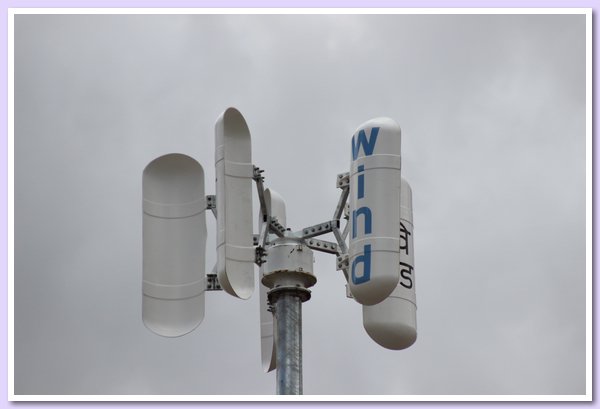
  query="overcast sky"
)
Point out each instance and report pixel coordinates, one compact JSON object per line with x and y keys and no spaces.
{"x":492,"y":109}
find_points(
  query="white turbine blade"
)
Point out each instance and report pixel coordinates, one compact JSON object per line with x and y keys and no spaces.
{"x":374,"y":211}
{"x":393,"y":322}
{"x":234,"y":172}
{"x":174,"y":242}
{"x":268,"y":325}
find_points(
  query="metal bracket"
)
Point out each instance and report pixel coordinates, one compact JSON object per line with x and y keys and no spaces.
{"x":342,"y":262}
{"x":260,"y":240}
{"x":260,"y":255}
{"x":343,"y":180}
{"x":259,"y":179}
{"x":212,"y":282}
{"x":342,"y":210}
{"x":276,"y":227}
{"x":211,"y":204}
{"x":333,"y":226}
{"x":322,"y":245}
{"x":257,"y":174}
{"x":318,"y":229}
{"x":271,"y":225}
{"x":348,"y":293}
{"x":340,"y":237}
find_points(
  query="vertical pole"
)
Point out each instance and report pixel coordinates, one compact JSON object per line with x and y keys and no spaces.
{"x":288,"y":315}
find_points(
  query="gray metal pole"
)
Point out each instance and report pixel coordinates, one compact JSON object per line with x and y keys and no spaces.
{"x":288,"y":314}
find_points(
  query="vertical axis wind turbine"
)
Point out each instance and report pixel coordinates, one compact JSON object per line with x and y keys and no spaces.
{"x":374,"y":250}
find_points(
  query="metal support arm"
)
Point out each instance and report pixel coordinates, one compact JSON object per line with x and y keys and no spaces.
{"x":318,"y":229}
{"x":259,"y":179}
{"x":211,"y":204}
{"x":322,"y":245}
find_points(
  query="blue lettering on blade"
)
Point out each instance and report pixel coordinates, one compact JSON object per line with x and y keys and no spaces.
{"x":361,"y":182}
{"x":365,"y":260}
{"x":366,"y":212}
{"x":368,"y":147}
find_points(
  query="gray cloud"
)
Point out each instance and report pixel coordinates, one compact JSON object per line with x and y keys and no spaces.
{"x":493,"y":115}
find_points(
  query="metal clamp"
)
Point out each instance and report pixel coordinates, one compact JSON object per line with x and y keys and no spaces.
{"x":260,"y":256}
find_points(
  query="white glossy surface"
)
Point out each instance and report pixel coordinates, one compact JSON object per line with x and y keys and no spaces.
{"x":393,"y":322}
{"x":234,"y":170}
{"x":374,"y":210}
{"x":276,"y":207}
{"x":174,"y":242}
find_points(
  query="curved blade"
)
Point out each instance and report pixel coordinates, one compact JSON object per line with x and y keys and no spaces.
{"x":174,"y":242}
{"x":374,"y":198}
{"x":276,"y":208}
{"x":234,"y":171}
{"x":393,"y":322}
